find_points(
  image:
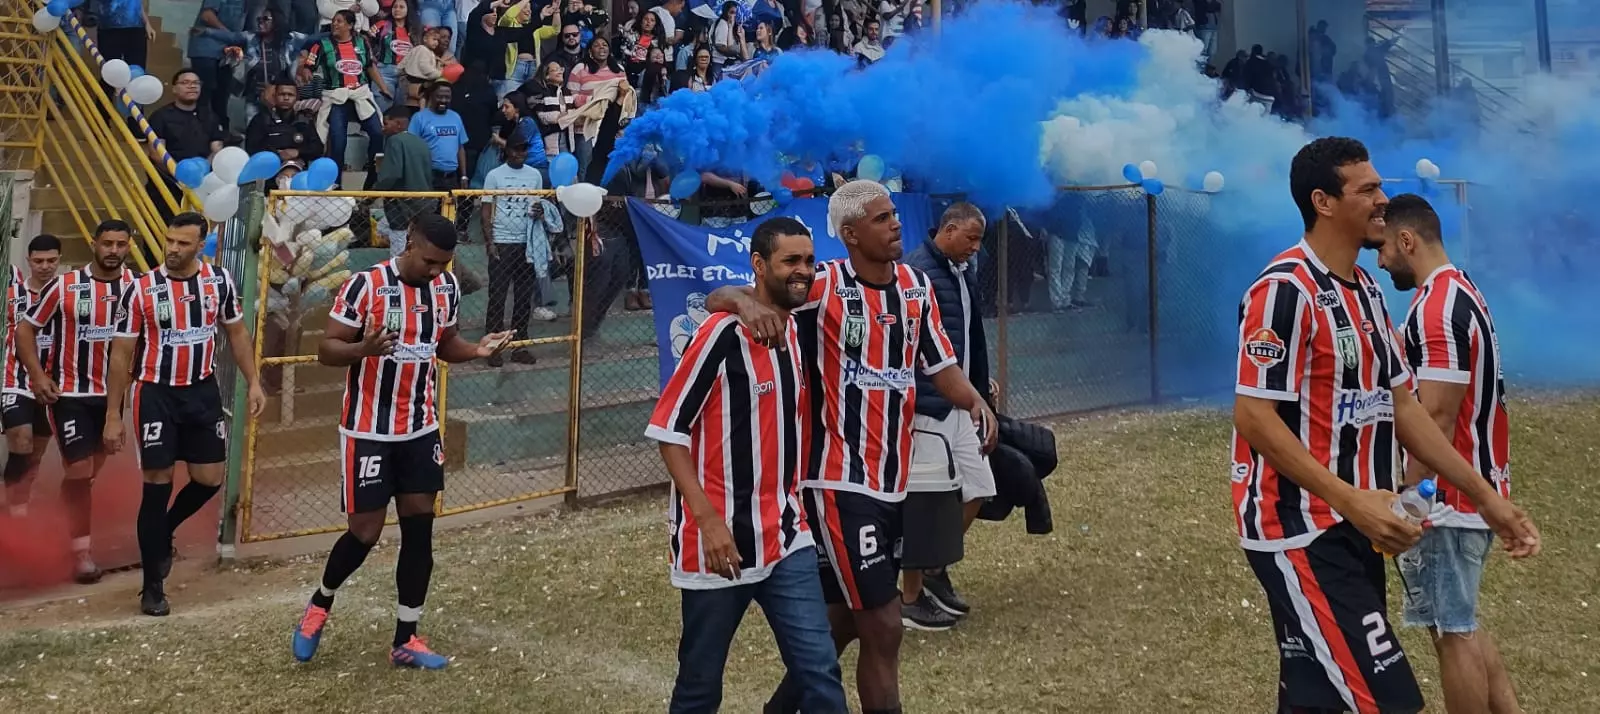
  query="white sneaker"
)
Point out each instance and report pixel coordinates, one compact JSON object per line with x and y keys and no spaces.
{"x":544,"y":314}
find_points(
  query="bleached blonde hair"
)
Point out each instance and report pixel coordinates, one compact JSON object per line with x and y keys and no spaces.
{"x":849,"y":203}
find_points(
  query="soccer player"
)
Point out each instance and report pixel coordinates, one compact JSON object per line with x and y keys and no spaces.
{"x":732,"y":423}
{"x":870,"y":323}
{"x":26,"y":425}
{"x":1322,"y":395}
{"x":80,"y":308}
{"x":1451,"y":347}
{"x":388,"y":325}
{"x":166,"y":344}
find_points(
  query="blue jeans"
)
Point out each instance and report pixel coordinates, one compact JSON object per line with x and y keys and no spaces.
{"x":339,"y":118}
{"x":791,"y":598}
{"x":522,"y":72}
{"x":441,"y":14}
{"x":1442,"y":574}
{"x":391,"y":77}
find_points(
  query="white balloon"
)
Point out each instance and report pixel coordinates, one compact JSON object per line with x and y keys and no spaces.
{"x":1213,"y":182}
{"x":1433,"y":170}
{"x":369,"y":7}
{"x":1147,"y":169}
{"x":146,"y":89}
{"x":222,"y":203}
{"x":316,"y":212}
{"x":43,"y":21}
{"x":228,"y":163}
{"x":116,"y":73}
{"x":582,"y":199}
{"x":208,"y":186}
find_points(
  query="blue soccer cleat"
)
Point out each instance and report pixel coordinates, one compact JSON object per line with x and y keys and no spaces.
{"x":415,"y":653}
{"x":308,"y":633}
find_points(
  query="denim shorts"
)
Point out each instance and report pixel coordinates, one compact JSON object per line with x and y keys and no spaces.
{"x":1442,"y":574}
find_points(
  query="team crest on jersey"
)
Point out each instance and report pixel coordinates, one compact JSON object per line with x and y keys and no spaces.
{"x":83,"y":308}
{"x":1348,"y":346}
{"x":1265,"y":348}
{"x":911,"y":330}
{"x":164,"y":311}
{"x":438,"y":454}
{"x":392,"y":321}
{"x":855,"y":330}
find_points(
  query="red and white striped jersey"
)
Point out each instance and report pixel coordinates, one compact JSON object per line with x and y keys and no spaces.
{"x":1450,"y":337}
{"x":175,"y":321}
{"x":863,"y":343}
{"x":82,"y":310}
{"x":1323,"y":348}
{"x":19,"y":299}
{"x":740,"y":408}
{"x":392,"y":397}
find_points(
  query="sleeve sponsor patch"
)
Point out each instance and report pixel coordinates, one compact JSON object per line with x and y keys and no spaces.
{"x":1264,"y":348}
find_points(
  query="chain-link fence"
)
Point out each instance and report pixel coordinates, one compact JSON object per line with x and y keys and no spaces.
{"x":505,"y":423}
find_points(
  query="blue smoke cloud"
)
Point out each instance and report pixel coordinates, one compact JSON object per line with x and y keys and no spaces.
{"x":1008,"y":104}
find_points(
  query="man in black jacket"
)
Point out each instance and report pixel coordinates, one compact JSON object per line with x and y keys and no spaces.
{"x":950,"y":476}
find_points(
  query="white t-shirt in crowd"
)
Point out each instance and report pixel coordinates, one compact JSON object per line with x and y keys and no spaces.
{"x":721,"y":34}
{"x":664,"y":19}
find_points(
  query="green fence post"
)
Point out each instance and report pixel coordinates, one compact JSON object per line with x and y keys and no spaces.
{"x":243,"y":235}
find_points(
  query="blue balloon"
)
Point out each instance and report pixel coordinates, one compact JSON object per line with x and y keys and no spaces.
{"x":782,"y":195}
{"x":300,"y":182}
{"x":685,"y":184}
{"x":261,"y":166}
{"x":324,"y":174}
{"x":1131,"y":173}
{"x":564,"y":169}
{"x":134,"y":71}
{"x":1153,"y":187}
{"x":209,"y":249}
{"x":871,"y":168}
{"x":192,"y":171}
{"x":57,"y":8}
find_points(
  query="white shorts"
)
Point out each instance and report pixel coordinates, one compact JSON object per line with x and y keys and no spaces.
{"x":965,"y":453}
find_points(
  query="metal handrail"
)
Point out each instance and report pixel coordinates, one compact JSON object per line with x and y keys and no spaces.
{"x":1477,"y":81}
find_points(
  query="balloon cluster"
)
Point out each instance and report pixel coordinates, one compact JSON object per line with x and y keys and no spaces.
{"x":141,"y":88}
{"x":48,"y":18}
{"x":1144,"y":174}
{"x":1427,"y":170}
{"x":580,"y":199}
{"x":216,"y":181}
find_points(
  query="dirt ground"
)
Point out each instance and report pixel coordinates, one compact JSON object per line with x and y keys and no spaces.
{"x":1139,"y":602}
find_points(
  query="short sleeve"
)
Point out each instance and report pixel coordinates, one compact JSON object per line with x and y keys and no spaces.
{"x":1275,"y":330}
{"x":1438,"y":344}
{"x":491,"y":182}
{"x":452,"y":306}
{"x":820,"y":286}
{"x":131,"y":310}
{"x":350,"y":304}
{"x":935,"y":351}
{"x":678,"y":410}
{"x":230,"y":306}
{"x":47,"y":305}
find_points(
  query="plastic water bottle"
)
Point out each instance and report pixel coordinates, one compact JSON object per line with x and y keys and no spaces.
{"x":1414,"y":504}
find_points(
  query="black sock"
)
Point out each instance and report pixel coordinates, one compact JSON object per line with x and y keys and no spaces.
{"x":155,"y":540}
{"x":785,"y":700}
{"x":190,"y":500}
{"x":347,"y":555}
{"x":411,"y":574}
{"x":890,"y":710}
{"x":77,"y":495}
{"x":17,"y":466}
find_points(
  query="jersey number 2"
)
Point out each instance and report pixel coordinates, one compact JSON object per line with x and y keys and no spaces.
{"x":1376,"y":629}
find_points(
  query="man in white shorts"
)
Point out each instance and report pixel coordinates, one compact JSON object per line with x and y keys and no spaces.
{"x":950,"y":476}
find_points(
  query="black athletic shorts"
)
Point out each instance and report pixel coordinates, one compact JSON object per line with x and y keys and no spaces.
{"x":80,"y":423}
{"x":176,"y":424}
{"x":376,"y":471}
{"x":1336,"y":649}
{"x":858,"y":539}
{"x":933,"y":530}
{"x":21,"y":410}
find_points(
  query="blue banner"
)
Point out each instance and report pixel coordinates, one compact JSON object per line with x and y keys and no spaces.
{"x":684,"y":263}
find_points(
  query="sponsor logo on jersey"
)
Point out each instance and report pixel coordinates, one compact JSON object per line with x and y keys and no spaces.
{"x":1265,"y":348}
{"x":914,"y":293}
{"x":1360,"y":407}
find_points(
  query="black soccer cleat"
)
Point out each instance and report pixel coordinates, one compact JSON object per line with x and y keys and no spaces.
{"x":938,"y":590}
{"x":153,"y":600}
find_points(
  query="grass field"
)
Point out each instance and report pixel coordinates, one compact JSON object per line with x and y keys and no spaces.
{"x":1140,"y":602}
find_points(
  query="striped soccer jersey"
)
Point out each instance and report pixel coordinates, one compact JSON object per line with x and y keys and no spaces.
{"x":1323,"y":348}
{"x":863,"y":343}
{"x":740,"y":408}
{"x":392,"y":397}
{"x":19,"y":299}
{"x":175,"y":321}
{"x":1449,"y":337}
{"x":82,"y":309}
